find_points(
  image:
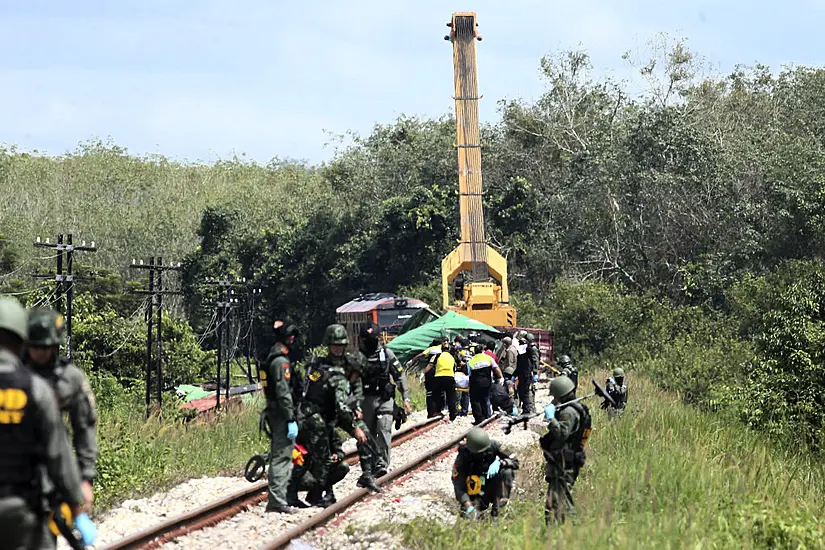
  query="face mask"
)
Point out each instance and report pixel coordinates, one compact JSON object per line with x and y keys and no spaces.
{"x":370,"y":344}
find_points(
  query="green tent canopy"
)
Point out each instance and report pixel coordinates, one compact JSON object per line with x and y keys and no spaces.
{"x":420,"y":318}
{"x":450,"y":324}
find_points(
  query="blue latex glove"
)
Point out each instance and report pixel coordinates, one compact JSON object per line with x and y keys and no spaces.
{"x":549,"y":411}
{"x":535,"y":378}
{"x":492,"y":471}
{"x":292,"y":430}
{"x":470,"y":511}
{"x":611,"y":381}
{"x":86,"y":527}
{"x":515,"y":410}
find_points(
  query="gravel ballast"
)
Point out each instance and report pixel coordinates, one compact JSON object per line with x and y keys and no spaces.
{"x":427,"y":492}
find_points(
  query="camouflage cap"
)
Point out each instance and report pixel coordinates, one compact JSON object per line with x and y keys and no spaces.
{"x":46,"y":327}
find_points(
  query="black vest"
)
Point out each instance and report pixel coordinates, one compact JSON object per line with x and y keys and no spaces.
{"x":20,"y":450}
{"x":317,"y":397}
{"x":377,"y":373}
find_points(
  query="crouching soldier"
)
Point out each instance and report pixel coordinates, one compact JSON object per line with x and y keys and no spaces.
{"x":324,"y":406}
{"x":568,"y":428}
{"x":338,"y":470}
{"x":482,"y":474}
{"x":617,"y":389}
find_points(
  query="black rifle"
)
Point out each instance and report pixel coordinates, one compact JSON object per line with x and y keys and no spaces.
{"x":524,"y":418}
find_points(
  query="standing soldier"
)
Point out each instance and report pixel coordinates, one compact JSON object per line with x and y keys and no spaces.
{"x":617,"y":389}
{"x":276,"y":380}
{"x":534,"y":353}
{"x":569,"y":370}
{"x":524,"y":371}
{"x":32,"y":438}
{"x":324,"y":406}
{"x":563,"y":445}
{"x":74,"y":394}
{"x":509,"y":354}
{"x":383,"y":372}
{"x":482,"y":474}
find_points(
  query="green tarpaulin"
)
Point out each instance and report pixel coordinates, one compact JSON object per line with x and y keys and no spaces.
{"x":422,"y":317}
{"x":451,"y":323}
{"x":192,"y":392}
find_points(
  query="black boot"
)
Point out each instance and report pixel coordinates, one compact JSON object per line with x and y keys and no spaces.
{"x":292,"y":488}
{"x":314,"y":498}
{"x":379,"y":469}
{"x":368,"y":482}
{"x":329,"y":495}
{"x":292,"y":497}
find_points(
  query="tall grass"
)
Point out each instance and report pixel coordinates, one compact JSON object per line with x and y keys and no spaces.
{"x":140,"y":456}
{"x":663,"y":476}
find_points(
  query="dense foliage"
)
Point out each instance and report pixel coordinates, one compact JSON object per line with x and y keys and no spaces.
{"x":679,"y":231}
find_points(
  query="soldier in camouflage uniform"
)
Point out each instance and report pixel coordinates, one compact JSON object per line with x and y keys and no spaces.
{"x":382,"y":373}
{"x":369,"y":457}
{"x":276,"y":380}
{"x":32,"y":439}
{"x":74,"y":394}
{"x":563,"y":447}
{"x":617,"y":389}
{"x":568,"y":369}
{"x":324,"y":406}
{"x":338,"y":469}
{"x":483,"y":474}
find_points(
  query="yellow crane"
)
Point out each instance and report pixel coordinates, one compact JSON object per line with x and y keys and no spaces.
{"x":475,"y":271}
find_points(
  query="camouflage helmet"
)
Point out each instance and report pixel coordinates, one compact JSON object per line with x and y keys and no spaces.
{"x":336,"y":335}
{"x":14,"y":317}
{"x":478,"y":440}
{"x":46,"y":327}
{"x":530,"y":337}
{"x":561,"y":386}
{"x":618,"y":372}
{"x":564,"y":360}
{"x":507,"y":340}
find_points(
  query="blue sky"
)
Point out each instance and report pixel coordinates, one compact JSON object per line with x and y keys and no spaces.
{"x":201,"y":79}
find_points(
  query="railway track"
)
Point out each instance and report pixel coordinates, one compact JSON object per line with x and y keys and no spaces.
{"x":226,"y":507}
{"x":325,"y":515}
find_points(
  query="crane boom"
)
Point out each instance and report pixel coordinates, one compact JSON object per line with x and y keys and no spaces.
{"x":474,"y":260}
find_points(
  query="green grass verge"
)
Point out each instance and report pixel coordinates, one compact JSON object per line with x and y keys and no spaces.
{"x":663,"y":476}
{"x":139,"y":457}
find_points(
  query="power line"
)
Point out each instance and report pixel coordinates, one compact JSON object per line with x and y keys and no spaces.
{"x":228,"y":300}
{"x":155,"y":302}
{"x":64,"y":283}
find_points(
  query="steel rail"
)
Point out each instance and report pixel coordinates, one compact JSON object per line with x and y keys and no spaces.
{"x":328,"y":513}
{"x":230,"y":505}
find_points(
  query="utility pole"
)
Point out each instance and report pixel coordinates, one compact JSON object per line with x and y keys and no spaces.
{"x":225,"y":302}
{"x":249,"y":318}
{"x":65,"y":283}
{"x":245,"y":299}
{"x":156,"y":293}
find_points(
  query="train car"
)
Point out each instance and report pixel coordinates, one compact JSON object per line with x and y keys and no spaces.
{"x":386,"y":310}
